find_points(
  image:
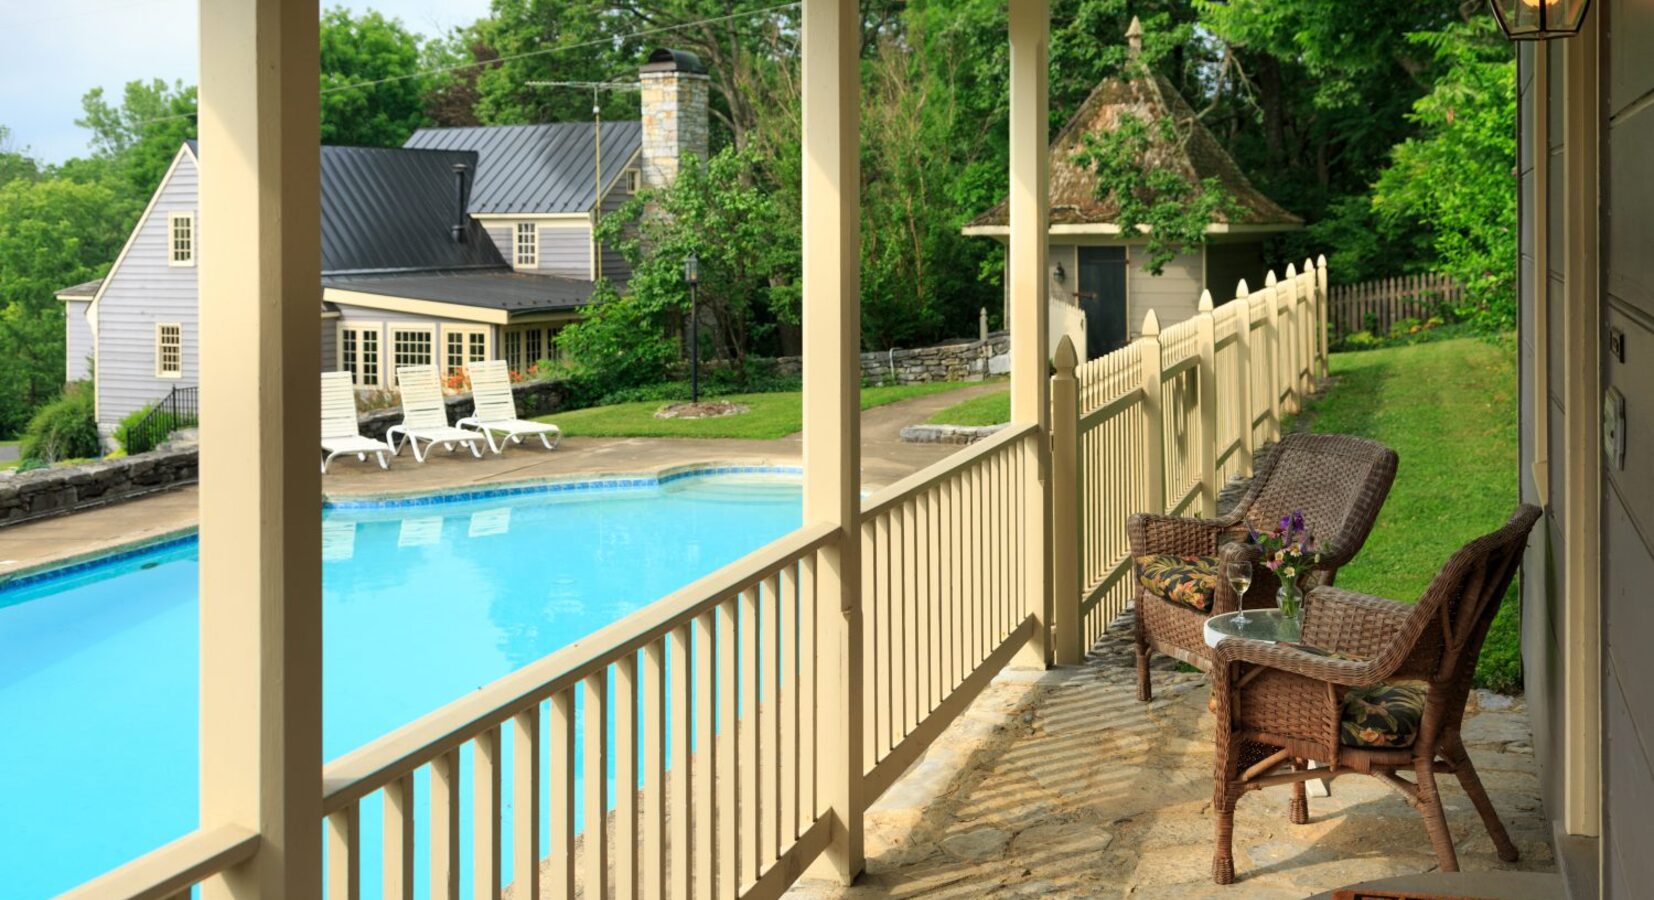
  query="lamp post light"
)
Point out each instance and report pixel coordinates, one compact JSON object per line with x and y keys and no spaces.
{"x":1540,"y":20}
{"x":692,"y":277}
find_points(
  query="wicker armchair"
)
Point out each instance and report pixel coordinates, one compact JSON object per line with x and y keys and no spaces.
{"x":1376,"y":687}
{"x":1338,"y":481}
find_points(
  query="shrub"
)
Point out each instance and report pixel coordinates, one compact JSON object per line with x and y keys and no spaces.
{"x":65,"y":428}
{"x":154,"y":433}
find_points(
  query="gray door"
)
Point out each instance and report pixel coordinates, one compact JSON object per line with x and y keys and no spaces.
{"x":1102,"y":295}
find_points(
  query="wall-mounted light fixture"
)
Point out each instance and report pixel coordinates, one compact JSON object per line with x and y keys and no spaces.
{"x":1540,"y":20}
{"x":1058,"y":273}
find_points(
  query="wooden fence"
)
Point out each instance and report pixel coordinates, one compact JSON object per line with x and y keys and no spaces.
{"x":1376,"y":306}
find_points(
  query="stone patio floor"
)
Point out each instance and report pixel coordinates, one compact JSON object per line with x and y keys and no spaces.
{"x":1061,"y":784}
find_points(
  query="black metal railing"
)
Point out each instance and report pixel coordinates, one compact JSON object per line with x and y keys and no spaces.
{"x":180,"y":408}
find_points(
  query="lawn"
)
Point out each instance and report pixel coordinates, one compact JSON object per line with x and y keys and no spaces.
{"x":769,"y":416}
{"x":1449,"y":410}
{"x":983,"y":409}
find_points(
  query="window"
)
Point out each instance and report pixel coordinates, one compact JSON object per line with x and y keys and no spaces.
{"x":462,"y":346}
{"x":359,"y":352}
{"x":514,"y":349}
{"x":532,"y":345}
{"x":411,"y":345}
{"x":527,"y":254}
{"x":181,"y":239}
{"x":632,"y":180}
{"x":526,"y":345}
{"x":169,"y":350}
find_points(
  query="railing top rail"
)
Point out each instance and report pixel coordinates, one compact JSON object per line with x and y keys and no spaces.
{"x":931,"y":475}
{"x":173,"y":868}
{"x":373,"y":765}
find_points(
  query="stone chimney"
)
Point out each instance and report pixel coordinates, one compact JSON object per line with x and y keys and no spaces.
{"x":674,"y":113}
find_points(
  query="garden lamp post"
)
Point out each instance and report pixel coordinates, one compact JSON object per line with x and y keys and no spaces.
{"x":1540,"y":20}
{"x":692,"y":277}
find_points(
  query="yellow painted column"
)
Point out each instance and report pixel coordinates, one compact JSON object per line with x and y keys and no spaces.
{"x":1030,"y":208}
{"x":260,"y":285}
{"x":832,"y":405}
{"x":1068,"y":627}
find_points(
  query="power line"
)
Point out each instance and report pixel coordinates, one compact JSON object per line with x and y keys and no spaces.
{"x":598,"y":42}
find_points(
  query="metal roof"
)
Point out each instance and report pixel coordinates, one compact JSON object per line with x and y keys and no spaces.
{"x":389,"y":209}
{"x":537,"y":168}
{"x":499,"y":289}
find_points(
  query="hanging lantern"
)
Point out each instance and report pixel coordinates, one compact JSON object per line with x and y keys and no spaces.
{"x":1540,"y":20}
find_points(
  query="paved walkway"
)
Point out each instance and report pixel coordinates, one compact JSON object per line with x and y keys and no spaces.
{"x":885,"y":460}
{"x":1061,"y":784}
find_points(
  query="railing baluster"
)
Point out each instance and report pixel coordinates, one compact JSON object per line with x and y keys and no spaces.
{"x":749,"y":738}
{"x":809,"y":626}
{"x":485,"y":815}
{"x":705,"y":829}
{"x":790,"y":605}
{"x":344,"y":856}
{"x":634,"y":841}
{"x":525,"y":802}
{"x":727,"y":764}
{"x":445,"y":826}
{"x":399,"y":839}
{"x":683,"y":728}
{"x":561,"y":858}
{"x":595,"y":765}
{"x":769,"y":739}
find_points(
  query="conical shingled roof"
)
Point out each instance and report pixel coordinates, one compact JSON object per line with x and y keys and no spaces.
{"x":1074,"y":196}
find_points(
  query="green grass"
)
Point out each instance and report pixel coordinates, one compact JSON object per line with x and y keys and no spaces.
{"x":1449,"y":409}
{"x":983,"y":409}
{"x":769,"y":416}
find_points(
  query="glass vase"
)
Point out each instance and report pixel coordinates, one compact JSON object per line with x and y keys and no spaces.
{"x":1290,"y":600}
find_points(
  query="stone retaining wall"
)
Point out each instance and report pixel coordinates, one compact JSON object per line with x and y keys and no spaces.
{"x":25,"y":496}
{"x":953,"y":361}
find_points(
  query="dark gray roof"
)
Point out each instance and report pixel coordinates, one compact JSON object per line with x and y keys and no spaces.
{"x":537,"y":168}
{"x":501,"y":289}
{"x":389,"y":209}
{"x":84,"y":289}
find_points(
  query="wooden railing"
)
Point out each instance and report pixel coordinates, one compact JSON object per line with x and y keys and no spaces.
{"x":1377,"y":306}
{"x":170,"y":872}
{"x":1162,"y":424}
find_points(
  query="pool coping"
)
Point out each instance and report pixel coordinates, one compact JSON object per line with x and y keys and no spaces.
{"x":68,"y":565}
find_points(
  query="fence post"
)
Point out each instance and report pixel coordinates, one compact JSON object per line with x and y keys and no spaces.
{"x":1321,"y":294}
{"x":1154,"y":433}
{"x":1272,"y":340}
{"x":1206,"y":381}
{"x":1065,"y":511}
{"x":1310,"y":326}
{"x":1243,"y":390}
{"x":1289,"y":339}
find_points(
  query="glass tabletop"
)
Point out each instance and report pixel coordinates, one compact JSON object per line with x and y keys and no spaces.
{"x":1259,"y":625}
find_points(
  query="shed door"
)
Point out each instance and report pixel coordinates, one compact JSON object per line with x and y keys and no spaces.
{"x":1102,"y":295}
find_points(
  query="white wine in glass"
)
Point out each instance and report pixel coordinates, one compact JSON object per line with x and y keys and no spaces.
{"x":1240,"y":576}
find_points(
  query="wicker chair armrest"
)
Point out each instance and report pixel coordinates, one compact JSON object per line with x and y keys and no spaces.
{"x":1155,"y":534}
{"x":1288,"y":658}
{"x":1348,"y":622}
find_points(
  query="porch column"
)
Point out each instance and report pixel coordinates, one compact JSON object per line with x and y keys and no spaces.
{"x":1030,"y":206}
{"x":260,"y":284}
{"x":832,"y":404}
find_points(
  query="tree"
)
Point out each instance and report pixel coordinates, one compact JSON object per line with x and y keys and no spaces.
{"x":373,"y":92}
{"x":748,"y":272}
{"x":138,"y":139}
{"x":53,"y":233}
{"x":15,"y":163}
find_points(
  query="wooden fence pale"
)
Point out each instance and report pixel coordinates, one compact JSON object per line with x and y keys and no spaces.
{"x":1377,"y":306}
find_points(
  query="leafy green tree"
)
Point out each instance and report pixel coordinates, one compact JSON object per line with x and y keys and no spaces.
{"x":15,"y":163}
{"x":53,"y":233}
{"x":137,"y":140}
{"x":373,"y":89}
{"x":1452,"y":181}
{"x":748,"y":273}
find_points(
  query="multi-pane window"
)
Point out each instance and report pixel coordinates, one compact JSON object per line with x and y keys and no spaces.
{"x":526,"y":345}
{"x":169,"y":350}
{"x":359,"y":353}
{"x":527,"y":246}
{"x":514,"y":349}
{"x":181,"y":239}
{"x":633,"y":180}
{"x":532,"y":345}
{"x":463,"y":346}
{"x":412,"y":346}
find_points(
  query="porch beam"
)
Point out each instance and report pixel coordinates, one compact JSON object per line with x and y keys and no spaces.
{"x":1030,"y":208}
{"x":832,"y":400}
{"x":261,"y":623}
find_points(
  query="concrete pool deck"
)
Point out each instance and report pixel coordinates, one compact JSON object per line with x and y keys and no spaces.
{"x":885,"y":460}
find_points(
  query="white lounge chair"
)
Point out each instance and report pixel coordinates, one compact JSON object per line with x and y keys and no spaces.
{"x":340,"y":433}
{"x":425,"y":416}
{"x":496,"y":411}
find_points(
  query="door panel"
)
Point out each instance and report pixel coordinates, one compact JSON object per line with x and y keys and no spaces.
{"x":1102,"y":296}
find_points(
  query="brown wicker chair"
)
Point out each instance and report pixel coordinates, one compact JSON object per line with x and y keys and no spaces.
{"x":1337,"y":697}
{"x":1338,"y":481}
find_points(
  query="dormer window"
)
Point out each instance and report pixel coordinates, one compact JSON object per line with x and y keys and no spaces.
{"x":181,"y":239}
{"x":527,"y":246}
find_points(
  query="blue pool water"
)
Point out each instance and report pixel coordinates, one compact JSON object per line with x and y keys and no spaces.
{"x":421,"y":604}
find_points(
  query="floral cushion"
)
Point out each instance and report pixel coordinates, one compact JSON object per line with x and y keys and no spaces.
{"x":1384,"y":715}
{"x":1185,"y":580}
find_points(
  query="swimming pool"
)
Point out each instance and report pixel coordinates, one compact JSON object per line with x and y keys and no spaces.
{"x":423,"y":601}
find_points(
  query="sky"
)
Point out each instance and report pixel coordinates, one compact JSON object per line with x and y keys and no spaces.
{"x":51,"y":54}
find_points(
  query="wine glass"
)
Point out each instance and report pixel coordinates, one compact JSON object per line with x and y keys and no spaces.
{"x":1239,"y":574}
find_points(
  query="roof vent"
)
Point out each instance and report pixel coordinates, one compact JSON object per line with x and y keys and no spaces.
{"x":462,"y":200}
{"x":668,"y":60}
